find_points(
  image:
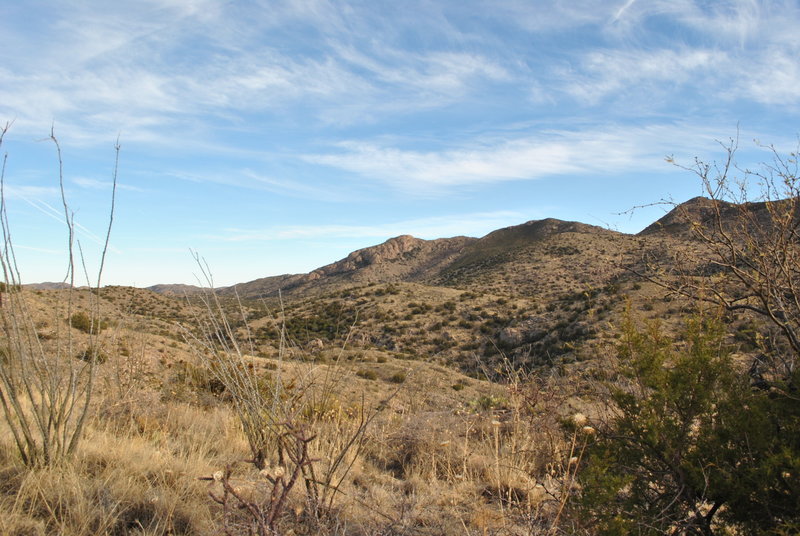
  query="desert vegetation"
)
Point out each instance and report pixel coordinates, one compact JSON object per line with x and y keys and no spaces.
{"x":553,"y":379}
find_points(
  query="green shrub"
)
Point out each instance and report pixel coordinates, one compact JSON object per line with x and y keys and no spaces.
{"x":367,"y":374}
{"x":92,"y":353}
{"x":398,"y":377}
{"x":81,"y":321}
{"x":692,"y":444}
{"x":489,"y":402}
{"x":449,"y":306}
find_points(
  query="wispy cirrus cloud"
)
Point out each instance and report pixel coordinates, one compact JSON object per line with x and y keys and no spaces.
{"x":381,"y":107}
{"x":726,"y":21}
{"x":96,"y":184}
{"x":617,"y":72}
{"x":113,"y":69}
{"x":774,"y":80}
{"x":530,"y":156}
{"x":736,"y":51}
{"x":472,"y":224}
{"x":57,"y":214}
{"x":740,"y":22}
{"x":39,"y":250}
{"x":558,"y":16}
{"x":249,"y":179}
{"x":15,"y":191}
{"x":769,"y":76}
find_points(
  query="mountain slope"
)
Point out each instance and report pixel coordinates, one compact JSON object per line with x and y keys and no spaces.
{"x":548,"y":257}
{"x":403,"y":258}
{"x":506,"y":256}
{"x":702,"y":211}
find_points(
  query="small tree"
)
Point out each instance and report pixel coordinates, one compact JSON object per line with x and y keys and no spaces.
{"x":646,"y":473}
{"x":693,"y":444}
{"x":688,"y":447}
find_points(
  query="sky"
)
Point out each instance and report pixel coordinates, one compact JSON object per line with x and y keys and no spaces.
{"x":275,"y":137}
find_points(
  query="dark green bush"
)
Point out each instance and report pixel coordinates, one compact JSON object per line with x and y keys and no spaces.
{"x":92,"y":353}
{"x":86,"y":324}
{"x":367,"y":374}
{"x":692,"y":444}
{"x":398,"y":377}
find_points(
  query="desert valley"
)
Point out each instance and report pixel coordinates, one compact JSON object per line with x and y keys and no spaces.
{"x":450,"y":386}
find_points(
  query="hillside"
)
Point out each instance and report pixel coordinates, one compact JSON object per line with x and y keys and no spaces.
{"x":509,"y":257}
{"x":538,"y":293}
{"x":443,"y":371}
{"x":538,"y":257}
{"x":403,"y":258}
{"x":702,"y":211}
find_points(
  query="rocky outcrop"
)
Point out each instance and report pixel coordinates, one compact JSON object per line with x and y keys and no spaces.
{"x":403,"y":258}
{"x":707,"y":213}
{"x":393,"y":249}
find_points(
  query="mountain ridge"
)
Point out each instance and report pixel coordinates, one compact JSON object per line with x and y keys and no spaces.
{"x":451,"y":261}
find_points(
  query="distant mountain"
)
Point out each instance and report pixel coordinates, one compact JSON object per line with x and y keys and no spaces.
{"x":533,"y":293}
{"x":702,"y":211}
{"x":506,"y":256}
{"x":541,"y":257}
{"x":403,"y":258}
{"x":509,"y":240}
{"x":47,"y":286}
{"x":175,"y":290}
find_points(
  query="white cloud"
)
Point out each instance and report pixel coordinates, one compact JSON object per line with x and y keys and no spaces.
{"x":621,"y":10}
{"x":473,"y":224}
{"x":57,"y":214}
{"x":543,"y":154}
{"x":95,"y":184}
{"x":11,"y":191}
{"x":729,"y":22}
{"x":104,"y":69}
{"x":615,"y":72}
{"x":439,"y":73}
{"x":550,"y":18}
{"x":40,"y":250}
{"x":736,"y":21}
{"x":737,"y":50}
{"x":774,"y":80}
{"x":293,"y":188}
{"x":254,"y":180}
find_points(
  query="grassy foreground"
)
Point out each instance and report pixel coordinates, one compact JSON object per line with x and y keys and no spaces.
{"x":442,"y":453}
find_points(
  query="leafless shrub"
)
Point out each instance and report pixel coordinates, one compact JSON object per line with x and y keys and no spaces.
{"x":747,"y":254}
{"x":264,"y":501}
{"x":44,"y":390}
{"x":282,"y":416}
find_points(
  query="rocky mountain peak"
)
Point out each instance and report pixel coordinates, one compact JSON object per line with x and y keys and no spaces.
{"x":392,"y":249}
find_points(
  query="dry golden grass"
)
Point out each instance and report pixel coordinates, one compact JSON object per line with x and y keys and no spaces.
{"x":480,"y":459}
{"x":121,"y":482}
{"x":453,"y":471}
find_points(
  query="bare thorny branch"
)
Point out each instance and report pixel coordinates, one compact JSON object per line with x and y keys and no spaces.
{"x":45,"y":392}
{"x":280,"y":418}
{"x":748,"y":247}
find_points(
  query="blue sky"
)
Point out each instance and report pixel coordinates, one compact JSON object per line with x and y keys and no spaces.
{"x":275,"y":137}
